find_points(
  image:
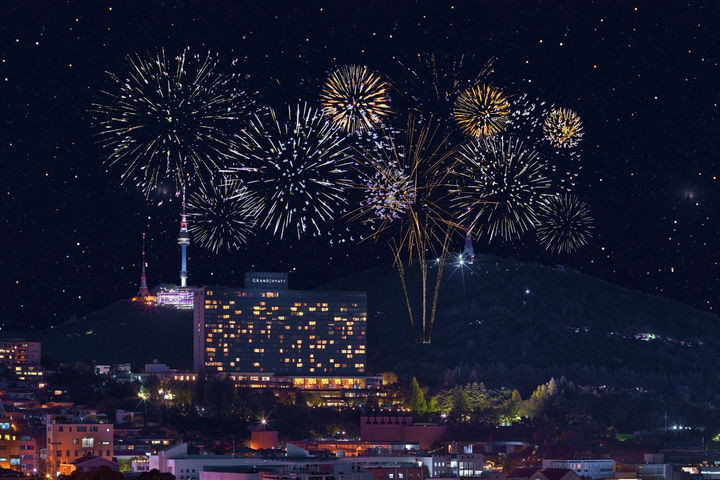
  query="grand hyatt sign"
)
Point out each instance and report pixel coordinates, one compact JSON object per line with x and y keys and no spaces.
{"x":259,"y":280}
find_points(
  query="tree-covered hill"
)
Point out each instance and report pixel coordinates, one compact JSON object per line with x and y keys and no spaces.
{"x":501,"y":317}
{"x":498,"y":319}
{"x":119,"y":333}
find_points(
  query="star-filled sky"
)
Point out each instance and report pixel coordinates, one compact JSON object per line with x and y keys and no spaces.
{"x":644,"y":78}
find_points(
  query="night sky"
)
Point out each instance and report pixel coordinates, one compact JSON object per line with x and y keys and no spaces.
{"x":644,"y":78}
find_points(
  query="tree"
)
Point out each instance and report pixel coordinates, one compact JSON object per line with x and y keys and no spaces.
{"x":389,"y":378}
{"x":219,"y":396}
{"x":102,"y":473}
{"x":477,"y":395}
{"x":461,"y":408}
{"x":155,"y":474}
{"x":416,"y":398}
{"x":510,"y":409}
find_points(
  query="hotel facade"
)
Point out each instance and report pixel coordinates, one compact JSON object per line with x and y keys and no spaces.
{"x":268,"y":328}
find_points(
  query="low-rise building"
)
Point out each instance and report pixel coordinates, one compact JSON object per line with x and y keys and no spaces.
{"x":348,"y":448}
{"x":457,"y":465}
{"x":70,"y":437}
{"x":9,"y":444}
{"x":400,"y":429}
{"x":87,"y":464}
{"x":17,"y":351}
{"x":28,"y":455}
{"x":594,"y":469}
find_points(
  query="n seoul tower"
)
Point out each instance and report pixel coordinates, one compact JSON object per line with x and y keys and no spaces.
{"x":183,"y":241}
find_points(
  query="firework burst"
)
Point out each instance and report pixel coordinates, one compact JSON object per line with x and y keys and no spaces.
{"x":481,"y":111}
{"x":563,"y":128}
{"x":355,"y":99}
{"x":390,"y":193}
{"x":299,"y":165}
{"x":223,"y":215}
{"x":502,"y":183}
{"x":565,"y":223}
{"x":169,"y":121}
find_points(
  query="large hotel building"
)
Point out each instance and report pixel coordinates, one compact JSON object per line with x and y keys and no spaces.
{"x":267,"y":328}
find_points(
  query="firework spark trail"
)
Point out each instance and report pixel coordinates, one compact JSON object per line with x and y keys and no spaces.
{"x":355,"y":99}
{"x":170,"y":121}
{"x":438,"y":280}
{"x":401,"y":272}
{"x":299,"y":166}
{"x":503,"y":183}
{"x":432,"y":82}
{"x":564,"y":224}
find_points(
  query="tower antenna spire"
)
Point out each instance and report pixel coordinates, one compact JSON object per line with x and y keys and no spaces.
{"x":183,"y":241}
{"x":468,"y":254}
{"x":143,"y":292}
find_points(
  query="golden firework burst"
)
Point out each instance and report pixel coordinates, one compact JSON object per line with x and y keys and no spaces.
{"x":482,"y":111}
{"x":355,"y":99}
{"x":563,"y":128}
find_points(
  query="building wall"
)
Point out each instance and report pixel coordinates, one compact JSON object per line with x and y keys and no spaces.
{"x":594,"y":469}
{"x":400,"y":429}
{"x":19,"y":352}
{"x":396,"y":473}
{"x":263,"y":440}
{"x":9,"y":445}
{"x":288,"y":331}
{"x":28,"y":455}
{"x":66,"y":442}
{"x":190,"y":468}
{"x":199,"y":330}
{"x":228,"y":476}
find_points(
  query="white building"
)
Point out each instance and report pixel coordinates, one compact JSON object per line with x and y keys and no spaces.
{"x":594,"y":469}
